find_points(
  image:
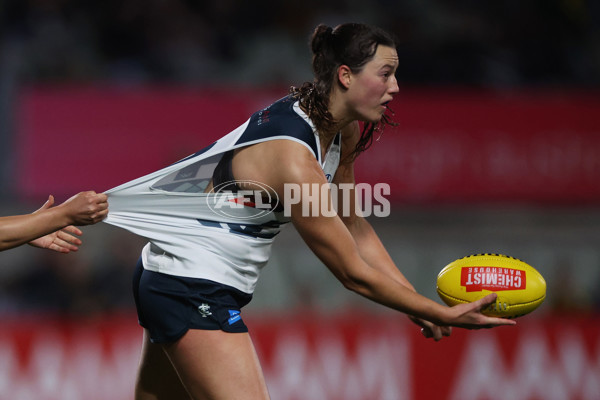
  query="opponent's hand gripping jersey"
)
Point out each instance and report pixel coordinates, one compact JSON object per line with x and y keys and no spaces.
{"x":195,"y":233}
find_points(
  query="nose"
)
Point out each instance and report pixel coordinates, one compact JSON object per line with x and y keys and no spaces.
{"x":393,"y":88}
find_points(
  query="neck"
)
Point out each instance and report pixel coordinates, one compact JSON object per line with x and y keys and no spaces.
{"x":339,"y":111}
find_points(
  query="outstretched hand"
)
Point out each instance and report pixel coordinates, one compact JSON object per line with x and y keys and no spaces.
{"x":469,"y":315}
{"x":466,"y":316}
{"x":431,"y":330}
{"x":61,"y":241}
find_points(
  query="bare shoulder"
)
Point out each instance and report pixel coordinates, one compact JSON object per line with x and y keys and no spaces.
{"x":276,"y":162}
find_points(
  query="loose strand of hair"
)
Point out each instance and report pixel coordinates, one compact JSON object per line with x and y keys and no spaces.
{"x":367,"y":135}
{"x":315,"y":104}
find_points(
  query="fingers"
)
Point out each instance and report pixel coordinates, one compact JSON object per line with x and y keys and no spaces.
{"x":446,"y":330}
{"x":87,"y":208}
{"x":65,"y":243}
{"x":102,"y":197}
{"x":62,"y":249}
{"x":49,"y":203}
{"x":101,"y":206}
{"x":486,"y":301}
{"x":490,"y":322}
{"x":430,"y":330}
{"x":68,"y":240}
{"x":483,"y":302}
{"x":100,"y":215}
{"x":73,"y":229}
{"x":470,"y":316}
{"x":494,"y":321}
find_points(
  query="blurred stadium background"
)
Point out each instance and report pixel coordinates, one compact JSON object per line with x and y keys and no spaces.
{"x":497,"y":150}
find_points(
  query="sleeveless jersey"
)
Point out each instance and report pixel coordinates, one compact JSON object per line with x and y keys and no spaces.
{"x":213,"y":235}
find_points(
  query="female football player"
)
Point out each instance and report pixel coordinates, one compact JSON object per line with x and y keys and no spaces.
{"x":210,"y":234}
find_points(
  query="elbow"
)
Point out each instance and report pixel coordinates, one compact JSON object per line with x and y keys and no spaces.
{"x":355,"y":283}
{"x":6,"y":240}
{"x":5,"y":245}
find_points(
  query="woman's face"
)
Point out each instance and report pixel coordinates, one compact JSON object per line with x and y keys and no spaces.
{"x":374,"y":86}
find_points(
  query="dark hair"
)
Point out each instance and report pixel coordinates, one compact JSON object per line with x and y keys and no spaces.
{"x":350,"y":44}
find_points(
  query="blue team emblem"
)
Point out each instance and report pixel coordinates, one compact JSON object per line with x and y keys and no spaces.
{"x":234,"y":316}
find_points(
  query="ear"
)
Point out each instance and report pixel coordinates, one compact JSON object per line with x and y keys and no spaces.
{"x":344,"y":76}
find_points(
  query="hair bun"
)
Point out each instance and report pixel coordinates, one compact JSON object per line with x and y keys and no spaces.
{"x":321,"y":37}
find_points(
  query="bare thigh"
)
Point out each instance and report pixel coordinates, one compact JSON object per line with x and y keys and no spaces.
{"x":202,"y":365}
{"x":216,"y":365}
{"x":157,"y":379}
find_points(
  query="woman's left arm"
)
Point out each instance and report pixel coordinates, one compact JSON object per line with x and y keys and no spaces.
{"x":370,"y":247}
{"x":368,"y":242}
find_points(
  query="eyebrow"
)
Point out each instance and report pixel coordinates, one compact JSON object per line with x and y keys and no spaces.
{"x":389,"y":65}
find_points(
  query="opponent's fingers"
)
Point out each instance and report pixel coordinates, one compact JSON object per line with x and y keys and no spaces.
{"x":48,"y":202}
{"x":72,"y":229}
{"x":65,"y":239}
{"x":70,"y":243}
{"x":59,"y":247}
{"x":102,"y":198}
{"x":99,"y":200}
{"x":100,"y":215}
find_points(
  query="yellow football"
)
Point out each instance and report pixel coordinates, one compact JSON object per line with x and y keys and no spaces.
{"x":520,"y":288}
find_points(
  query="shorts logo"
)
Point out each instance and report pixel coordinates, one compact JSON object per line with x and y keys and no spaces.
{"x":204,"y":310}
{"x":234,"y":316}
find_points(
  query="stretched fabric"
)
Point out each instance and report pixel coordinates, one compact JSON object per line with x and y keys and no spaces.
{"x":211,"y":234}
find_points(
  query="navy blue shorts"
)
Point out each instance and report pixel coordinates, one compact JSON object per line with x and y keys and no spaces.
{"x":169,"y":305}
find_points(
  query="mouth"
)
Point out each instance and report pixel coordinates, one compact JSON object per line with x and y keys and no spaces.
{"x":384,"y":106}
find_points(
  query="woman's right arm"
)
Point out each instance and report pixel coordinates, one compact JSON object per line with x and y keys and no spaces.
{"x":333,"y":244}
{"x":283,"y":162}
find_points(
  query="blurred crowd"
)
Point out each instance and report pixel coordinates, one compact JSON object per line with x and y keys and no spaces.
{"x":441,"y":42}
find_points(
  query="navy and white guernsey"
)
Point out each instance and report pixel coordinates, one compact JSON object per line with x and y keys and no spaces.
{"x":186,"y":237}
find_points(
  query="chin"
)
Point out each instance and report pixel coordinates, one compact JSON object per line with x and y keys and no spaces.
{"x":374,"y":120}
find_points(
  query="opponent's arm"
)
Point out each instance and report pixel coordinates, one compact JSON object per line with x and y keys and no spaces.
{"x":42,"y":228}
